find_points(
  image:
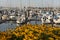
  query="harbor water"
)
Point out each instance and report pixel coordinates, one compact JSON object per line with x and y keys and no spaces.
{"x":12,"y":25}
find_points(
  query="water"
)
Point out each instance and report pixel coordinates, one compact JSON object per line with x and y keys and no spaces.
{"x":7,"y":25}
{"x":11,"y":24}
{"x":35,"y":22}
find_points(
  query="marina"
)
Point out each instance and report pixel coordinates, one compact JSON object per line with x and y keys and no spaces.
{"x":30,"y":15}
{"x":29,"y":19}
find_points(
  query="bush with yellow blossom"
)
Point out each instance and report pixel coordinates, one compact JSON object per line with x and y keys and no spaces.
{"x":32,"y":32}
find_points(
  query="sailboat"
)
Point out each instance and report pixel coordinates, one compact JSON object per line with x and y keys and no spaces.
{"x":57,"y":19}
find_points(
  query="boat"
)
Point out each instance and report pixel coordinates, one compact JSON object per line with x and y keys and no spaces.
{"x":4,"y":17}
{"x":18,"y":20}
{"x":57,"y":19}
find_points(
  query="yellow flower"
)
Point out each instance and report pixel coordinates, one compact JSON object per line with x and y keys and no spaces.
{"x":50,"y":38}
{"x":25,"y":39}
{"x":17,"y":34}
{"x":56,"y":39}
{"x":26,"y":36}
{"x":35,"y":37}
{"x":30,"y":32}
{"x":30,"y":39}
{"x":22,"y":33}
{"x":26,"y":30}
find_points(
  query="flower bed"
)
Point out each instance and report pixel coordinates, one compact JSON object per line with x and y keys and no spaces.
{"x":32,"y":32}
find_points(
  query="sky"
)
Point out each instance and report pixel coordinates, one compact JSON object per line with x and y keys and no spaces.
{"x":33,"y":3}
